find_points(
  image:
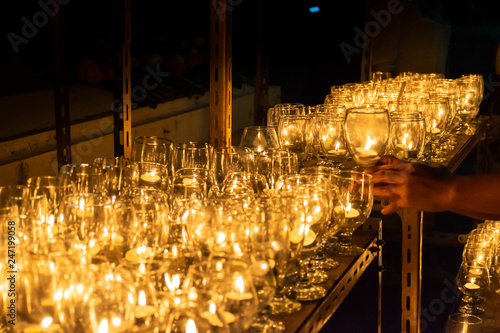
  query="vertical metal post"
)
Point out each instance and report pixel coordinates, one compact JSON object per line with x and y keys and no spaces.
{"x":122,"y":104}
{"x":61,"y":97}
{"x":127,"y":87}
{"x":220,"y":73}
{"x":261,"y":100}
{"x":411,"y":269}
{"x":380,"y":244}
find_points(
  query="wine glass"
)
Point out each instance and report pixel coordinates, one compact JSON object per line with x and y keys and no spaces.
{"x":293,"y":136}
{"x":352,"y":206}
{"x":258,"y":138}
{"x":75,"y":178}
{"x":473,"y":279}
{"x":153,"y":149}
{"x":108,"y":176}
{"x":367,"y":134}
{"x":268,"y":258}
{"x":463,"y":322}
{"x":48,"y":185}
{"x":332,"y":138}
{"x":192,"y":155}
{"x":231,"y":159}
{"x":407,"y":139}
{"x":435,"y":112}
{"x":305,"y":196}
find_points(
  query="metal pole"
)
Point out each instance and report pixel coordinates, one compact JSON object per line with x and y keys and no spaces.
{"x":61,"y":97}
{"x":220,"y":73}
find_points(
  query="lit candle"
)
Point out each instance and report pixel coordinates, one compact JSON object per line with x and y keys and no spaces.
{"x":143,"y":310}
{"x":103,"y":326}
{"x":188,"y":181}
{"x":337,"y":151}
{"x":142,"y":252}
{"x":259,"y":268}
{"x":214,"y":319}
{"x":406,"y":150}
{"x":238,"y":293}
{"x":471,"y":286}
{"x":150,"y":177}
{"x":191,"y":326}
{"x":46,"y":326}
{"x":348,"y":211}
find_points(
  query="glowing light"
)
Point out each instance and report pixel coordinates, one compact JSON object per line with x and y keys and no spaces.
{"x":191,"y":326}
{"x":314,"y":9}
{"x":103,"y":326}
{"x":46,"y":322}
{"x":239,"y":284}
{"x":142,"y":298}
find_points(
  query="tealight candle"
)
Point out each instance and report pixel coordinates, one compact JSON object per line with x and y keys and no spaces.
{"x":144,"y":311}
{"x":337,"y":151}
{"x":214,"y":319}
{"x":348,"y":211}
{"x":142,"y":252}
{"x":471,"y":286}
{"x":151,"y":177}
{"x":363,"y":152}
{"x":238,"y":293}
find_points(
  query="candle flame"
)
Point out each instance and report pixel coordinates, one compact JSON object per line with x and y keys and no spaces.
{"x":212,"y":308}
{"x":337,"y":146}
{"x":348,"y":207}
{"x":191,"y":326}
{"x":369,"y":143}
{"x":82,"y":204}
{"x":239,"y":284}
{"x":142,"y":298}
{"x":46,"y":322}
{"x":410,"y":145}
{"x":103,"y":326}
{"x":174,"y":282}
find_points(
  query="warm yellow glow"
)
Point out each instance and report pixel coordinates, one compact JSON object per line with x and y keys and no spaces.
{"x":337,"y":146}
{"x":46,"y":322}
{"x":348,"y":207}
{"x":174,"y":282}
{"x":212,"y":308}
{"x":103,"y":326}
{"x":410,"y":145}
{"x":369,"y":143}
{"x":240,"y":284}
{"x":117,"y":321}
{"x":191,"y":326}
{"x":142,"y":298}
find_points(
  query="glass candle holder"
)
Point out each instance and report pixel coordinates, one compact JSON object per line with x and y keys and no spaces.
{"x":367,"y":134}
{"x":407,"y":139}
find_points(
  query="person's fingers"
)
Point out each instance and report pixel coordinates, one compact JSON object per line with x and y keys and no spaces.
{"x":382,"y":191}
{"x":389,"y":159}
{"x":389,"y":177}
{"x":390,"y":208}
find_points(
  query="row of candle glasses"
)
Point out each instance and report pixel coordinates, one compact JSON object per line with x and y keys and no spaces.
{"x":399,"y":116}
{"x":480,"y":264}
{"x":144,"y":246}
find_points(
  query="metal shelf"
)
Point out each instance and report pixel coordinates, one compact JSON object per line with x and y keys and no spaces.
{"x":313,"y":315}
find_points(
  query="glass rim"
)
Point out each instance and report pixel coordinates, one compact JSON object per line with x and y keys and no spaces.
{"x":367,"y":109}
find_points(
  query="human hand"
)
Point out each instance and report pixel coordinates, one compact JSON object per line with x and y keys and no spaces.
{"x":410,"y":185}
